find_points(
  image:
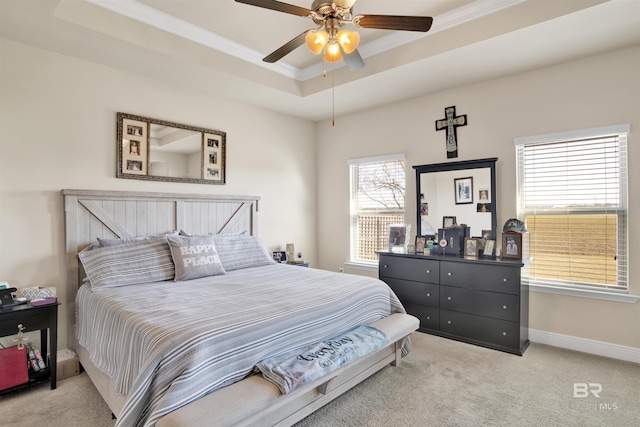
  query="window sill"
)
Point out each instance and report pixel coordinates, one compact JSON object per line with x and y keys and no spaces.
{"x":585,"y":293}
{"x":362,"y":266}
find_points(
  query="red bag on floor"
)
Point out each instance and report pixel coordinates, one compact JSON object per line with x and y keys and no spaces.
{"x":13,"y":367}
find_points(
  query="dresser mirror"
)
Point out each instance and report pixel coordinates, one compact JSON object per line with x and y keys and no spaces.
{"x":457,"y":193}
{"x":160,"y":150}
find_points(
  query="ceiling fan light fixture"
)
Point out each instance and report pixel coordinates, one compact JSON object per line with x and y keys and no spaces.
{"x":349,"y":40}
{"x":332,"y":53}
{"x":316,"y":40}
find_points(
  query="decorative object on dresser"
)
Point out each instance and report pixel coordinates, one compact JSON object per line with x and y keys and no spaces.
{"x":398,"y":235}
{"x":161,"y":150}
{"x":515,"y":239}
{"x":454,"y":238}
{"x":476,"y":301}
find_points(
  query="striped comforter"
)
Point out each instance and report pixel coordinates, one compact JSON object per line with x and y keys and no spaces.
{"x":166,"y":344}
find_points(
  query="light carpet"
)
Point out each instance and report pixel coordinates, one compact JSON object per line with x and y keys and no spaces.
{"x":441,"y":383}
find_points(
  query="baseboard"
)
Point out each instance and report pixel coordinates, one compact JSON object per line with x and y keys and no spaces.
{"x":600,"y":348}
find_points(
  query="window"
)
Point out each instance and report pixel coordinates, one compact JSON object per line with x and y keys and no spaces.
{"x":572,"y":194}
{"x":377,"y":201}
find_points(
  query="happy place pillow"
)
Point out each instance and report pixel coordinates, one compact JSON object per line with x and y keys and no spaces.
{"x":194,"y":257}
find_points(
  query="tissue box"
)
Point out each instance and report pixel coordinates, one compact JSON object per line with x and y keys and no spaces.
{"x":454,"y":237}
{"x":67,"y":364}
{"x":38,"y":292}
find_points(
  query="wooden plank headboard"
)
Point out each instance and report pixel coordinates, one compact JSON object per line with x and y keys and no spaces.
{"x":90,"y":214}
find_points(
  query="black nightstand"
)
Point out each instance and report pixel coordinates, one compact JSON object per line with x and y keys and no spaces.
{"x":41,"y":318}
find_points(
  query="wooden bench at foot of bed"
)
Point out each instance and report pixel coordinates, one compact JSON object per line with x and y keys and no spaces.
{"x":255,"y":401}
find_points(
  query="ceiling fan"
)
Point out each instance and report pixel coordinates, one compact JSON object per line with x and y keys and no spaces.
{"x":330,"y":16}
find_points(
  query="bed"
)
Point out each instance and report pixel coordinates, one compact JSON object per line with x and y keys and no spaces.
{"x":177,"y":346}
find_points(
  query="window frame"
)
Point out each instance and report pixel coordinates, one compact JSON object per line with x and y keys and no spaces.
{"x":560,"y":287}
{"x":354,"y":261}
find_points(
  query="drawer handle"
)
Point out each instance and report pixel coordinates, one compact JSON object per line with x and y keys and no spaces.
{"x":449,"y":274}
{"x":504,"y":334}
{"x":428,"y":294}
{"x":428,"y":317}
{"x":449,"y":322}
{"x":428,"y":271}
{"x":504,"y":307}
{"x":449,"y":298}
{"x":385,"y":266}
{"x":505,"y":280}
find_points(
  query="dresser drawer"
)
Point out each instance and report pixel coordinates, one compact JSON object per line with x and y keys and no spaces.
{"x":428,"y":316}
{"x":489,"y":304}
{"x":415,"y":292}
{"x":482,"y":329}
{"x":481,"y":277}
{"x":419,"y":270}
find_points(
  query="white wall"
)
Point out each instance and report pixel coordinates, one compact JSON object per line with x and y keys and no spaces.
{"x":596,"y":91}
{"x":57,"y":130}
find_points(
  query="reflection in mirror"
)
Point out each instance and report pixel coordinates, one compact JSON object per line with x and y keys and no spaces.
{"x":440,"y":199}
{"x":159,"y":150}
{"x":437,"y":197}
{"x":174,"y":152}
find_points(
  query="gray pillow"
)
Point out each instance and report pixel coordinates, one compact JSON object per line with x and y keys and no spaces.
{"x":131,"y":263}
{"x":194,"y":257}
{"x":241,"y":251}
{"x":111,"y":242}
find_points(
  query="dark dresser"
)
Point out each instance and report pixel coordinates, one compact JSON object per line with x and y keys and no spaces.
{"x":478,"y":301}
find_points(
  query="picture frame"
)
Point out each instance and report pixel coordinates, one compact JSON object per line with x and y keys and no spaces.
{"x":421,"y":242}
{"x":484,"y":208}
{"x":470,"y":247}
{"x":398,"y":234}
{"x":213,"y":158}
{"x":463,"y":190}
{"x":489,"y":248}
{"x":512,"y":245}
{"x":279,"y":256}
{"x":424,"y":208}
{"x":449,"y":221}
{"x":483,"y":195}
{"x":135,"y":147}
{"x":160,"y":150}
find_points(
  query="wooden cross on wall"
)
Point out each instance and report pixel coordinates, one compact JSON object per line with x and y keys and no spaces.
{"x":450,"y":123}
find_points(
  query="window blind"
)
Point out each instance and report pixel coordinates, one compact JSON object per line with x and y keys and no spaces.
{"x":377,"y":201}
{"x":572,"y":194}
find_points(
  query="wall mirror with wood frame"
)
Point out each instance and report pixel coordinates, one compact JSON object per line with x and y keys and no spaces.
{"x":464,"y":190}
{"x":160,"y":150}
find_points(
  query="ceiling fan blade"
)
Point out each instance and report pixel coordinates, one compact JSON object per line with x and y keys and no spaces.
{"x":286,"y":49}
{"x":353,"y":60}
{"x":392,"y":22}
{"x":278,"y":6}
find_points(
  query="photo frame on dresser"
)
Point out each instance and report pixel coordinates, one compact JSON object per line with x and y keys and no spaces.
{"x":470,"y":247}
{"x":489,"y":250}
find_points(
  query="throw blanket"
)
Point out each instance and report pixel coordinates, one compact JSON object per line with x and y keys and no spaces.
{"x":166,"y":344}
{"x":299,"y":367}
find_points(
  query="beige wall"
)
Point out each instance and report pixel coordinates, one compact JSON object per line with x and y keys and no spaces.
{"x":57,"y":130}
{"x":597,"y":91}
